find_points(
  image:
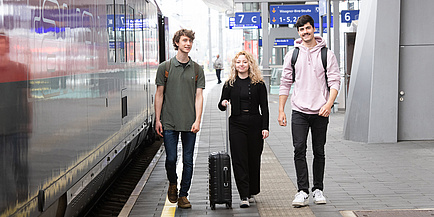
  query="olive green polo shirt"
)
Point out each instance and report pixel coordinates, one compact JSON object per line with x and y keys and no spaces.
{"x":179,"y":111}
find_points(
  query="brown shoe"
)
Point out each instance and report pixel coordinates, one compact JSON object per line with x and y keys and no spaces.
{"x":183,"y":203}
{"x":172,"y":193}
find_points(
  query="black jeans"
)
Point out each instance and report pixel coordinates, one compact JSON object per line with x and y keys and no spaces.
{"x":300,"y":128}
{"x":218,"y":72}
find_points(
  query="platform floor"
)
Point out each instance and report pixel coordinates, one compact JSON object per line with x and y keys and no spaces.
{"x":358,"y":176}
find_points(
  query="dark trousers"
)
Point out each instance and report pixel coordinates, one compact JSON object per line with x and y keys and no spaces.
{"x":300,"y":128}
{"x":218,"y":72}
{"x":246,"y":143}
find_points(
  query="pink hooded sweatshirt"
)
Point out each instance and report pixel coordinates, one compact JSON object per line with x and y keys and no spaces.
{"x":310,"y":92}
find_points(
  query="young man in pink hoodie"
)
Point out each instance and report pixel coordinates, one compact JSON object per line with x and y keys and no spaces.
{"x":311,"y":102}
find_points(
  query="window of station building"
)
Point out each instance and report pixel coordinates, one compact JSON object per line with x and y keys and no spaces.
{"x":250,"y":7}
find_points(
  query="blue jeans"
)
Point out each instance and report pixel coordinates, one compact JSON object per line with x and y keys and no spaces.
{"x":171,"y":144}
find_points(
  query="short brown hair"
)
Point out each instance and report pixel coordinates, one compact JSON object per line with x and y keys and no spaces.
{"x":182,"y":32}
{"x":303,"y":20}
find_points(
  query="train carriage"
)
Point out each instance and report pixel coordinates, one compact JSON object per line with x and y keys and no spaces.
{"x":76,"y":98}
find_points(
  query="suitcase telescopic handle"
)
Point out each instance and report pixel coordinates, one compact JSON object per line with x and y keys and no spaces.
{"x":227,"y":127}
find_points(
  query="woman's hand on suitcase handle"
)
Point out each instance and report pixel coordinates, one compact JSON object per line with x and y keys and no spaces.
{"x":265,"y":134}
{"x":225,"y":103}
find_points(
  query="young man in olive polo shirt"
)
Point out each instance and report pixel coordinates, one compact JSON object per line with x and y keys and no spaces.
{"x":178,"y":110}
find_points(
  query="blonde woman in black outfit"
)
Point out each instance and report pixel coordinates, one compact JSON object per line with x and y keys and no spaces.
{"x":248,"y":124}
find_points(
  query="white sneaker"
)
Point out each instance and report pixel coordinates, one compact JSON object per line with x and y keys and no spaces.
{"x":300,"y":199}
{"x":245,"y":203}
{"x":318,"y":197}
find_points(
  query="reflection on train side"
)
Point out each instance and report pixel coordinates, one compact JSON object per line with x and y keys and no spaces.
{"x":76,"y":98}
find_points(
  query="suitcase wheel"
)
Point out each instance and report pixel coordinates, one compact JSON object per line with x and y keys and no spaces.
{"x":229,"y":205}
{"x":212,"y":206}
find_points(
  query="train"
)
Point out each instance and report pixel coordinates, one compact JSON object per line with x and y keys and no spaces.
{"x":77,"y":81}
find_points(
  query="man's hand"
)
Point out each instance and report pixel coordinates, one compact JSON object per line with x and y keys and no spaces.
{"x":325,"y":111}
{"x":282,"y":119}
{"x":195,"y":127}
{"x":159,"y":128}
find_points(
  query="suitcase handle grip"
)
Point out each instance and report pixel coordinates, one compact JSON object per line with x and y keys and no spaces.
{"x":225,"y":177}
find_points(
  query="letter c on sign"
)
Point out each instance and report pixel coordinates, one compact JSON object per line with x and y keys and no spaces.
{"x":254,"y":19}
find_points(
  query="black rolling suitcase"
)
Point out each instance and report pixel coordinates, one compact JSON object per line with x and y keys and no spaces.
{"x":220,"y":187}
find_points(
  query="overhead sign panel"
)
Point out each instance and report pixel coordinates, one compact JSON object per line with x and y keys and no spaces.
{"x":288,"y":14}
{"x":347,"y":16}
{"x":246,"y":20}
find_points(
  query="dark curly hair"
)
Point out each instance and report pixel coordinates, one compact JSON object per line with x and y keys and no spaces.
{"x":182,"y":32}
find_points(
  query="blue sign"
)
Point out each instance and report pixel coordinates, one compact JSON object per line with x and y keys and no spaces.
{"x":324,"y":25}
{"x":249,"y":18}
{"x":288,"y":14}
{"x":129,"y":24}
{"x":283,"y":42}
{"x":347,"y":16}
{"x":234,"y":25}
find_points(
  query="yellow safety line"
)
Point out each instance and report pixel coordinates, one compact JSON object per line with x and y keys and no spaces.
{"x":169,"y":209}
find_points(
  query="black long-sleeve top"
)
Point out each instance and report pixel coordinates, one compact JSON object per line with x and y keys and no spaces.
{"x":257,"y":95}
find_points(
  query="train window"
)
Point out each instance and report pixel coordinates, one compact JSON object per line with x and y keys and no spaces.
{"x":121,"y":48}
{"x":111,"y":31}
{"x":139,"y":45}
{"x":130,"y":30}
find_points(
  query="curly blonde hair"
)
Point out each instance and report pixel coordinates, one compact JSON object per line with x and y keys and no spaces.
{"x":254,"y":71}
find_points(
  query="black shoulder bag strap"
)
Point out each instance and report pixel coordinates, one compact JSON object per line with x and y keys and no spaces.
{"x":293,"y":60}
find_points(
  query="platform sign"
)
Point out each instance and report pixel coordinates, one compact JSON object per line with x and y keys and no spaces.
{"x":248,"y":18}
{"x":283,"y":42}
{"x":347,"y":16}
{"x":288,"y":14}
{"x":245,"y":25}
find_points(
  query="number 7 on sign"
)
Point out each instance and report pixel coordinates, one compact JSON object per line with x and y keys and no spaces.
{"x":241,"y":17}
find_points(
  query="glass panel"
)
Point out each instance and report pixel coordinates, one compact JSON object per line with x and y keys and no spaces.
{"x":111,"y":33}
{"x":120,"y":33}
{"x":130,"y":30}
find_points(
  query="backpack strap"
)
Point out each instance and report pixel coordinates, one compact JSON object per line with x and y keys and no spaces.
{"x":323,"y":58}
{"x":167,"y":64}
{"x":293,"y":60}
{"x":324,"y":64}
{"x":196,"y":70}
{"x":166,"y":73}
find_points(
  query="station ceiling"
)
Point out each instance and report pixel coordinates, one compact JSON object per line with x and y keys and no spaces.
{"x":220,"y":5}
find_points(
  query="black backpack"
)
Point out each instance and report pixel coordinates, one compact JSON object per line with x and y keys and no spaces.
{"x":323,"y":58}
